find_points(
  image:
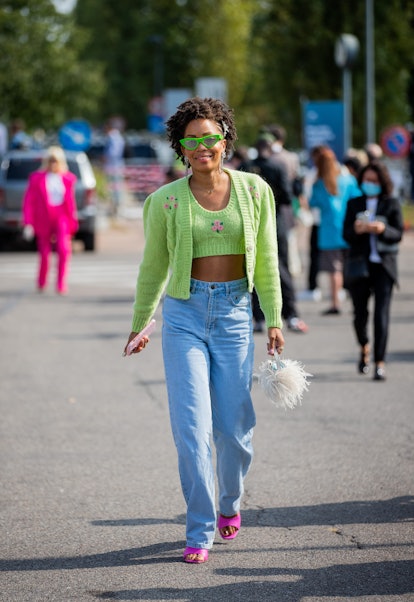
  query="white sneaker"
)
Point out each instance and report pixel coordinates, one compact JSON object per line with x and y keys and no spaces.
{"x":297,"y":325}
{"x":342,"y":295}
{"x":315,"y":295}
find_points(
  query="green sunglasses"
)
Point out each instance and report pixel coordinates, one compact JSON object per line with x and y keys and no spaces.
{"x":207,"y":141}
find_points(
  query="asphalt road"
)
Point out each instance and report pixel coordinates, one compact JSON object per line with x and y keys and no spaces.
{"x":91,"y":507}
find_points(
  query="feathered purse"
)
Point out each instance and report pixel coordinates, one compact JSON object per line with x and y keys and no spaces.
{"x":283,"y":381}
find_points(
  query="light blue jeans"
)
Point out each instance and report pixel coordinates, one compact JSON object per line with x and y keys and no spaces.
{"x":208,"y":353}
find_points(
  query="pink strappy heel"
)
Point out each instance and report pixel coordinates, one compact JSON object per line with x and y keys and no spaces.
{"x":229,"y":521}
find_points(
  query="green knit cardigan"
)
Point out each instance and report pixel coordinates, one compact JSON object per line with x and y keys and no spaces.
{"x":168,"y":246}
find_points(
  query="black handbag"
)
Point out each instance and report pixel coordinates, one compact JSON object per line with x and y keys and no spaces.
{"x":355,"y":269}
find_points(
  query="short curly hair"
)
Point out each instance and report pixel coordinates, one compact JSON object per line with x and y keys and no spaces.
{"x":201,"y":108}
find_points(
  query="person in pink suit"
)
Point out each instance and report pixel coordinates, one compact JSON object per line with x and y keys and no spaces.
{"x":49,"y":212}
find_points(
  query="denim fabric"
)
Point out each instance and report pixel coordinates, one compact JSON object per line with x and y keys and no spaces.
{"x":208,"y":353}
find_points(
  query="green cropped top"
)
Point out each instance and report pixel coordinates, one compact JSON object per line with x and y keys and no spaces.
{"x":217,"y":232}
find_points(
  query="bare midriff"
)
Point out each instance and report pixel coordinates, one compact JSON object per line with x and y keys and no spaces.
{"x":219,"y":268}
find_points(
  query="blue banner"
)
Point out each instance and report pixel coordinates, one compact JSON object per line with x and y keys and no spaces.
{"x":323,"y":123}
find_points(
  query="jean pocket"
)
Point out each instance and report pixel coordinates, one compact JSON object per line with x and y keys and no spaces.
{"x":240,"y":300}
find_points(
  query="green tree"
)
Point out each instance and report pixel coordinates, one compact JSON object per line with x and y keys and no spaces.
{"x":42,"y":79}
{"x":153,"y":42}
{"x":273,"y":53}
{"x":137,"y":45}
{"x":297,"y":54}
{"x":394,"y":55}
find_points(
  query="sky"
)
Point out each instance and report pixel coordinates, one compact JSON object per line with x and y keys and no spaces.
{"x":64,"y":6}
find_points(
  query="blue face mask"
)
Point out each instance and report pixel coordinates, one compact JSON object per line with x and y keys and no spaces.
{"x":370,"y":189}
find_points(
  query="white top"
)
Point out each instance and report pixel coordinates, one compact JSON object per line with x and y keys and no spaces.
{"x":55,"y":189}
{"x":372,"y":210}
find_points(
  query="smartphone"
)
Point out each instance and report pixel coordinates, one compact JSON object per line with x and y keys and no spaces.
{"x":135,"y":341}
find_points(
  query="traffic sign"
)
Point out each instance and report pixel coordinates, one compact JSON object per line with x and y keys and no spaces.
{"x":75,"y":135}
{"x":395,"y":141}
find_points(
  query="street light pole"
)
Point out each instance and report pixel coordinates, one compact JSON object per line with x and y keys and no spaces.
{"x":369,"y":71}
{"x":346,"y":53}
{"x":158,"y":41}
{"x":347,"y":100}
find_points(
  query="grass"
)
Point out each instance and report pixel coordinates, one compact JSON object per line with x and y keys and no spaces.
{"x":408,"y":214}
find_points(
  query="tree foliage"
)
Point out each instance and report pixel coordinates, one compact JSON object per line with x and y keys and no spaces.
{"x":163,"y":43}
{"x":273,"y":54}
{"x":300,"y":38}
{"x":42,"y":79}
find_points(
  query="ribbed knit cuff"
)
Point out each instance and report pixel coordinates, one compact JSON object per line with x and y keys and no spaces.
{"x":139,"y":322}
{"x":274,"y":318}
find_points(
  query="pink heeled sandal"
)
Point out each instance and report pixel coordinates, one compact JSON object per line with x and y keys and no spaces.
{"x":229,"y":521}
{"x":199,"y":551}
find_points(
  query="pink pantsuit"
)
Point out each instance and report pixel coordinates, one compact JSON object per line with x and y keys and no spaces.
{"x":52,"y":223}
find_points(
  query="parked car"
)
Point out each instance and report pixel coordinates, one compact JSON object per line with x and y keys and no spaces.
{"x":15,"y":169}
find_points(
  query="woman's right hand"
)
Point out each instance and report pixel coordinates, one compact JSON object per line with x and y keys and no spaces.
{"x":361,"y":226}
{"x":141,"y":345}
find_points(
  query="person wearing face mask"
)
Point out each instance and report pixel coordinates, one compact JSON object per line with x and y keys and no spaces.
{"x":209,"y":238}
{"x":373,"y":227}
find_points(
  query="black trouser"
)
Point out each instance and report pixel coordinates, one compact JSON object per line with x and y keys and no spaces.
{"x":286,"y":282}
{"x":313,"y":258}
{"x":379,"y":284}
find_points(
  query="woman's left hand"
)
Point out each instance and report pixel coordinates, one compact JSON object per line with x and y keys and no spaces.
{"x":28,"y":233}
{"x":276,"y":340}
{"x":377,"y":227}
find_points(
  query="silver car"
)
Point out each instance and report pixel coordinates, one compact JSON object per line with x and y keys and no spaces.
{"x":15,"y":169}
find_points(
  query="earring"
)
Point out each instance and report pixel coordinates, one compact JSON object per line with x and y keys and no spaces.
{"x":223,"y":156}
{"x":187,"y":165}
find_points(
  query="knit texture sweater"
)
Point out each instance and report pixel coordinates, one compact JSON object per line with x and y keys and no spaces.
{"x":217,"y":232}
{"x":168,"y":252}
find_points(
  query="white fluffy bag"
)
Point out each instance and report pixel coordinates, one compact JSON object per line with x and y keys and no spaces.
{"x":283,"y":381}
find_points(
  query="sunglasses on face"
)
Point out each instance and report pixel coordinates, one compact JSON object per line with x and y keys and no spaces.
{"x":208,"y":141}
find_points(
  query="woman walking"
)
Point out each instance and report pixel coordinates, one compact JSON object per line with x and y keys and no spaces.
{"x":373,"y":228}
{"x":49,"y":210}
{"x":214,"y":232}
{"x":330,"y":194}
